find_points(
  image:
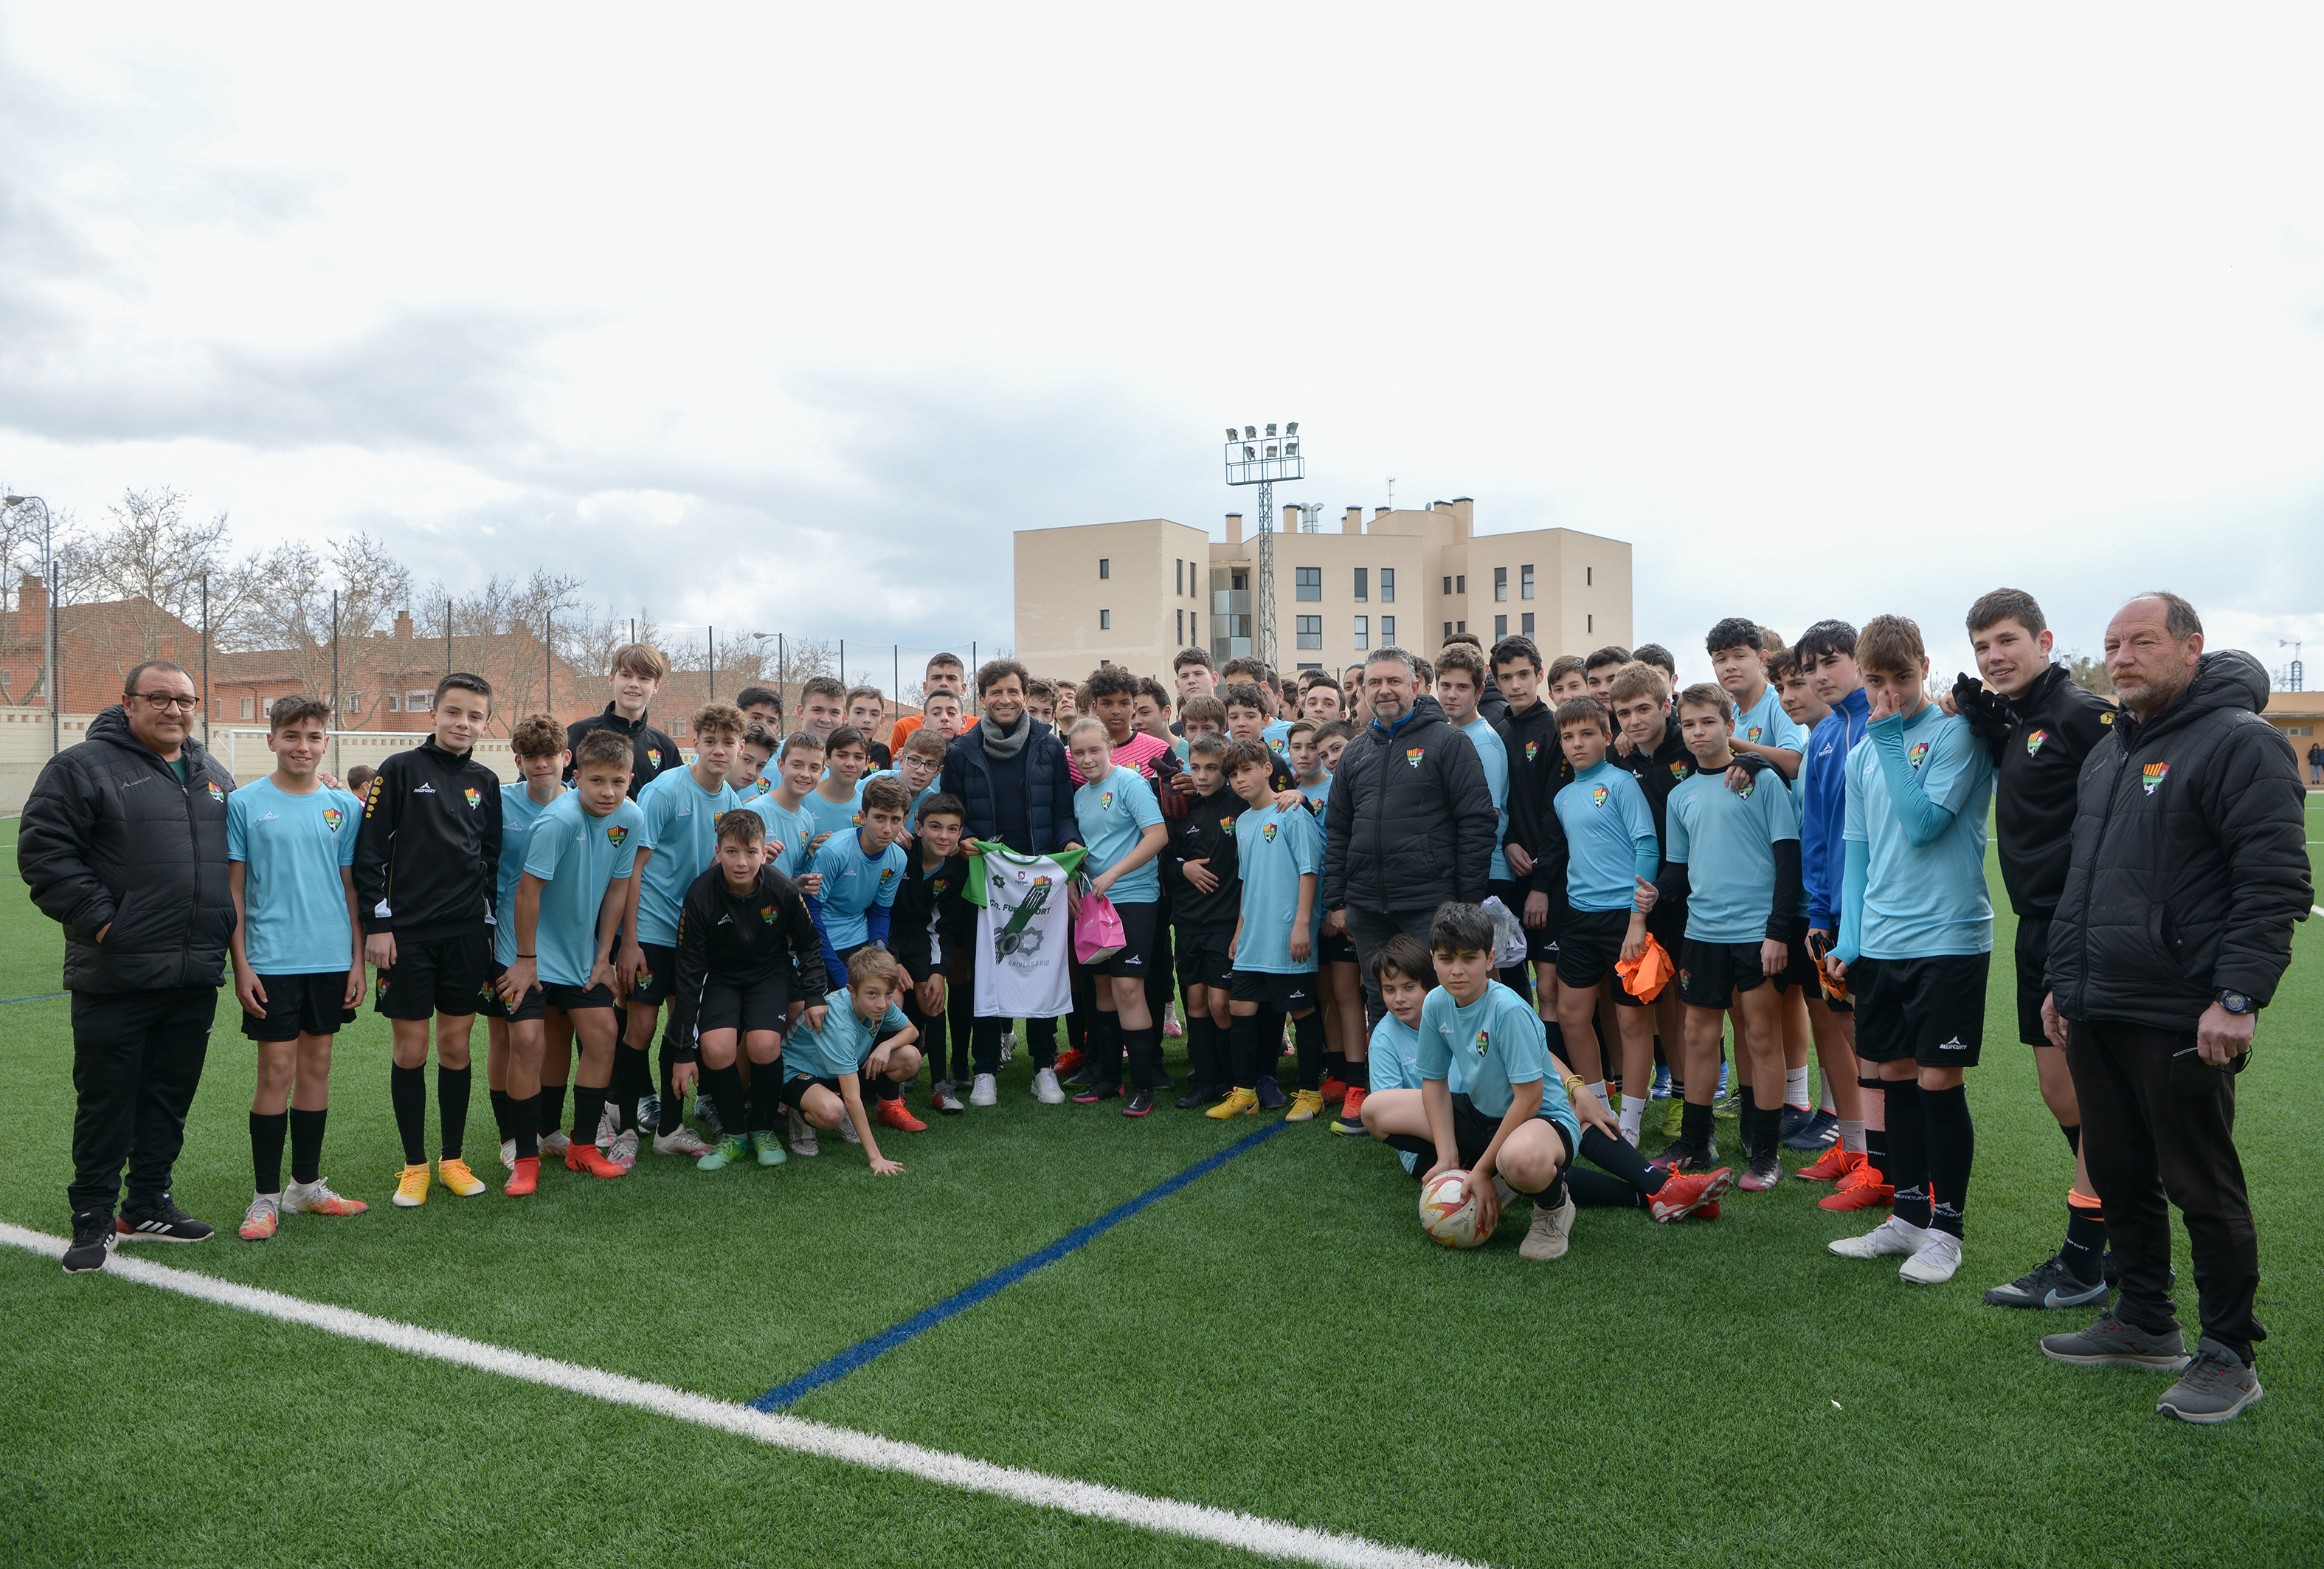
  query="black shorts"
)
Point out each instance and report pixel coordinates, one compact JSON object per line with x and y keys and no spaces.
{"x":1930,"y":1012}
{"x":1588,"y":947}
{"x":532,"y":1005}
{"x":575,"y":999}
{"x":1666,"y":924}
{"x":1202,"y":958}
{"x":1139,"y":924}
{"x":659,"y":974}
{"x":1472,"y":1131}
{"x":1709,"y":973}
{"x":749,"y":1006}
{"x":2033,"y":964}
{"x":299,"y":1005}
{"x":431,"y":978}
{"x":1283,"y":993}
{"x":1332,"y":948}
{"x":795,"y":1089}
{"x":1541,"y":946}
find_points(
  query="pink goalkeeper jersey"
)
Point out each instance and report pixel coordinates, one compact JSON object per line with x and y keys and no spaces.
{"x":1137,"y":754}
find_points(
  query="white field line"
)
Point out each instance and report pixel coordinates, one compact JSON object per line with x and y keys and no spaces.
{"x":1249,"y":1533}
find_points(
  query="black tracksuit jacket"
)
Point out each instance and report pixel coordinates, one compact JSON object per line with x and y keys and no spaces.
{"x":652,"y":753}
{"x":2054,"y":729}
{"x":938,"y":897}
{"x":740,"y":940}
{"x":428,"y":856}
{"x":1206,"y":833}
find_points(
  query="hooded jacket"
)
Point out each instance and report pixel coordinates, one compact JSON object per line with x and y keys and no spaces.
{"x":2189,"y":862}
{"x":1410,"y":822}
{"x":110,"y":839}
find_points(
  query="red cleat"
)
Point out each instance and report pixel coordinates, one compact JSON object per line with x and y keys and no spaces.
{"x":1860,"y":1189}
{"x":588,"y":1159}
{"x":1335,"y":1089}
{"x":892,"y":1114}
{"x":1071,"y":1064}
{"x":1833,"y":1164}
{"x":524,"y":1178}
{"x":1687,"y":1193}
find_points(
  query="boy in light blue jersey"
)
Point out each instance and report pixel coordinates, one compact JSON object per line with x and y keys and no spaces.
{"x":297,"y":967}
{"x":569,"y":905}
{"x":1915,"y":937}
{"x":917,"y":769}
{"x":517,"y":1067}
{"x":677,"y":842}
{"x":1737,"y":649}
{"x":1612,"y":854}
{"x":791,"y":827}
{"x":750,"y":778}
{"x":853,"y":1036}
{"x":1402,"y":971}
{"x":1279,"y":857}
{"x":1118,"y":819}
{"x":836,"y":803}
{"x":1734,"y":855}
{"x":861,"y":871}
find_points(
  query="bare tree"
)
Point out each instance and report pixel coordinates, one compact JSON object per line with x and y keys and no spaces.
{"x":506,"y":632}
{"x":20,"y":544}
{"x":282,"y":600}
{"x":151,"y":554}
{"x":2088,"y":672}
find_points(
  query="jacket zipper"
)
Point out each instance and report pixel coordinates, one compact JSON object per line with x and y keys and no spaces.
{"x":2105,"y":822}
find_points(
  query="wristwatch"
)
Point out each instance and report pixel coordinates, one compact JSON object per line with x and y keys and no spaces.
{"x":2235,"y":1001}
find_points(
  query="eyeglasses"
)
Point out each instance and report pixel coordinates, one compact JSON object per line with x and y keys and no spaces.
{"x":169,"y":700}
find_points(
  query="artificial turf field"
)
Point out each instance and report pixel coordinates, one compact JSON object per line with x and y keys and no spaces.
{"x":1276,"y":1337}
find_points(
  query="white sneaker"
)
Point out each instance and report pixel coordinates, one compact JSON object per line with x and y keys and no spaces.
{"x":685,"y":1142}
{"x":1935,"y":1260}
{"x":624,"y":1151}
{"x":555,"y":1144}
{"x":316,"y":1198}
{"x":508,"y":1154}
{"x":802,"y":1135}
{"x":847,"y":1130}
{"x":1548,"y":1235}
{"x":1890,"y":1237}
{"x":609,"y":1125}
{"x":944,"y":1101}
{"x":1008,"y":1045}
{"x":1044,"y":1088}
{"x":986,"y":1090}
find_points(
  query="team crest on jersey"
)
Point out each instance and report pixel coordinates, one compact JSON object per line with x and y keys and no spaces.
{"x":1484,"y":1042}
{"x":1678,"y":768}
{"x":473,"y":797}
{"x":2156,"y":773}
{"x":333,"y":818}
{"x":1751,"y":732}
{"x":1748,"y":786}
{"x":653,"y":756}
{"x":887,"y":874}
{"x":2033,"y":743}
{"x":1276,"y":746}
{"x":1685,"y":978}
{"x":1267,"y":834}
{"x":1226,"y":827}
{"x":617,"y":834}
{"x":1532,"y":747}
{"x":767,"y":914}
{"x":1413,"y":754}
{"x":1598,"y":794}
{"x":1920,"y":750}
{"x":1105,"y":802}
{"x":215,"y":794}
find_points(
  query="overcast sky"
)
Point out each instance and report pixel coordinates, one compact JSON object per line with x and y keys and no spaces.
{"x":782,"y":318}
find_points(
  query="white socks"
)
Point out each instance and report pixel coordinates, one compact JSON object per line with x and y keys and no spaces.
{"x":1851,"y":1138}
{"x":1827,"y":1095}
{"x":1634,"y":1109}
{"x":1599,"y":1090}
{"x":1795,"y":1086}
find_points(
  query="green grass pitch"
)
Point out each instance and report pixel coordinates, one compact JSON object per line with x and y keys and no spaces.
{"x":1275,"y":1338}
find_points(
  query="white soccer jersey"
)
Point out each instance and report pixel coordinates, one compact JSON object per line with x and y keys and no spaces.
{"x":1024,"y":935}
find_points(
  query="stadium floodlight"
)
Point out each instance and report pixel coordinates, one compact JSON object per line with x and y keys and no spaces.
{"x":1270,"y":430}
{"x":1232,"y":435}
{"x":1251,"y":433}
{"x":1291,"y":428}
{"x":1251,"y":460}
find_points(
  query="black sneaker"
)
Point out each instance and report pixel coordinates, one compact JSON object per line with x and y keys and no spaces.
{"x":1820,"y":1131}
{"x":92,"y":1241}
{"x":1163,"y":1080}
{"x":1794,"y":1118}
{"x":1081,"y":1078}
{"x":2050,"y":1286}
{"x":1271,"y":1097}
{"x":162,"y":1222}
{"x":1139,"y":1103}
{"x":1090,"y":1094}
{"x":1199,"y":1096}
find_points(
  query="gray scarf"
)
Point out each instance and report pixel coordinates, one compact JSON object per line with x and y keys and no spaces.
{"x":1005,"y":744}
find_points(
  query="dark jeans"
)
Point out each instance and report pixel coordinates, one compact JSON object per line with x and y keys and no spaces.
{"x":2151,"y":1144}
{"x":1370,"y":929}
{"x":137,"y":1059}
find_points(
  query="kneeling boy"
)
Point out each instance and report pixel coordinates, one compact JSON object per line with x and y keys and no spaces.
{"x":853,"y":1036}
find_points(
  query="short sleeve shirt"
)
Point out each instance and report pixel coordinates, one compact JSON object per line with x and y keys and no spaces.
{"x":577,"y":857}
{"x":292,"y":848}
{"x":841,"y":1045}
{"x":518,"y":813}
{"x":1604,"y":814}
{"x":1275,"y":846}
{"x":681,"y":829}
{"x":1728,"y":839}
{"x":1764,"y":724}
{"x":1483,"y":1050}
{"x":1113,"y":814}
{"x":854,"y":884}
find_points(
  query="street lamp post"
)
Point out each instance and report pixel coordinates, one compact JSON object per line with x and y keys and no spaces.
{"x":1261,"y":460}
{"x":49,"y":628}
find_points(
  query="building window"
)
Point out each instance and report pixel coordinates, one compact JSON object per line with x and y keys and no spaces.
{"x":1311,"y":666}
{"x":1387,"y":630}
{"x":1387,"y":586}
{"x":1500,"y":626}
{"x":419,"y":702}
{"x":394,"y":704}
{"x":1182,"y":629}
{"x":1448,"y":586}
{"x":1310,"y":631}
{"x":1310,"y":581}
{"x":1194,"y":626}
{"x":1524,"y":583}
{"x":1528,"y":623}
{"x":354,"y":703}
{"x":1364,"y":584}
{"x":1363,"y":631}
{"x":1104,"y":567}
{"x":247,"y":705}
{"x":1105,"y":621}
{"x":1448,"y":632}
{"x":1178,"y":577}
{"x":1500,"y":583}
{"x":1589,"y":624}
{"x":1461,"y":584}
{"x":1588,"y":576}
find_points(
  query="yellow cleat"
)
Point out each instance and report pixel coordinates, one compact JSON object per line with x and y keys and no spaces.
{"x":456,"y":1175}
{"x":1241,"y":1103}
{"x":412,"y":1186}
{"x":1307,"y":1105}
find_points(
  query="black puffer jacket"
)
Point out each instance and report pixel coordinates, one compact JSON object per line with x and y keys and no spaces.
{"x":1410,"y":821}
{"x":2190,"y":864}
{"x":109,"y":837}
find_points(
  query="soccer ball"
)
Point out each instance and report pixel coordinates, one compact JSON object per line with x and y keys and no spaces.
{"x":1446,"y":1214}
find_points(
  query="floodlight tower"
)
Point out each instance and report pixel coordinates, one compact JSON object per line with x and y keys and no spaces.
{"x":1261,"y":460}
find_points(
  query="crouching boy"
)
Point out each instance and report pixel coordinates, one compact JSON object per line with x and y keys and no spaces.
{"x":854,"y":1037}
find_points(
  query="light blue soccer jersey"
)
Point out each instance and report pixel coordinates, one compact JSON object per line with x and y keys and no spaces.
{"x":577,"y":857}
{"x":833,"y":817}
{"x":1728,"y":839}
{"x":681,"y":829}
{"x":1610,"y":833}
{"x":840,"y":1048}
{"x":789,"y":833}
{"x":1928,"y":899}
{"x":292,"y":848}
{"x":1276,"y":734}
{"x":854,"y":885}
{"x":518,"y":813}
{"x":1764,"y":724}
{"x":1392,"y":1063}
{"x":912,"y":818}
{"x":1494,"y":753}
{"x":1481,"y":1050}
{"x":1113,"y":812}
{"x":1274,"y":846}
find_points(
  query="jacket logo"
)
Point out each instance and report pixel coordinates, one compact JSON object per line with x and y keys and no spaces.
{"x":2156,"y":773}
{"x":425,"y":789}
{"x":474,"y":799}
{"x":1598,"y":794}
{"x":1226,"y":827}
{"x":1920,"y":750}
{"x":2107,"y":719}
{"x":1532,"y":747}
{"x":653,"y":756}
{"x":215,"y":794}
{"x":767,"y":914}
{"x":1267,"y":833}
{"x":1276,"y":746}
{"x":2033,"y":743}
{"x":1413,"y":754}
{"x":333,"y":818}
{"x":617,"y":834}
{"x":1678,"y":768}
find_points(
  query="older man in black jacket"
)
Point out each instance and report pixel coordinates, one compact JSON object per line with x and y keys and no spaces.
{"x":122,"y":843}
{"x":2172,"y":930}
{"x":1410,"y":821}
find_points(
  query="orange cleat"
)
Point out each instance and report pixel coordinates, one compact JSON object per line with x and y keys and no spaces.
{"x":1334,"y":1088}
{"x":1071,"y":1063}
{"x":587,"y":1159}
{"x":1859,"y":1189}
{"x":1833,"y":1164}
{"x":523,"y":1178}
{"x":1686,"y":1192}
{"x":893,"y":1115}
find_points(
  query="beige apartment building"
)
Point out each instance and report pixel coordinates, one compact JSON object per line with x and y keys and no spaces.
{"x":1135,"y":593}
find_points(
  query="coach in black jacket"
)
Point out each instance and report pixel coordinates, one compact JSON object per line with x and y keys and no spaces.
{"x":1410,"y":822}
{"x":2174,"y":926}
{"x":122,"y":843}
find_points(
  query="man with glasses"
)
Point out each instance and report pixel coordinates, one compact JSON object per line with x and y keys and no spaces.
{"x":123,"y":845}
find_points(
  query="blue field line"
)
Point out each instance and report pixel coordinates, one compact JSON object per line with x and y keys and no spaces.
{"x":36,"y":997}
{"x":961,"y":1301}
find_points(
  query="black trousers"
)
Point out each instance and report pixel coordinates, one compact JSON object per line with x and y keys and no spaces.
{"x":1370,"y":929}
{"x":959,"y":1013}
{"x":137,"y":1060}
{"x":2158,"y":1129}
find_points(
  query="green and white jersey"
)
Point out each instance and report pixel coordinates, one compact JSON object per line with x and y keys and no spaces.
{"x":1025,"y":935}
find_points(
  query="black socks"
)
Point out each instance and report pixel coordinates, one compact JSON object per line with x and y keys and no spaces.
{"x":1953,"y":1147}
{"x":452,"y":1105}
{"x":588,"y":1106}
{"x":1876,"y":1139}
{"x":633,"y":1074}
{"x":725,"y":1087}
{"x":2084,"y":1249}
{"x":501,"y":1114}
{"x":525,"y":1118}
{"x":407,"y":1091}
{"x":1242,"y":1037}
{"x":1307,"y":1039}
{"x":1618,"y":1156}
{"x":551,"y":1119}
{"x":306,"y":1145}
{"x":266,"y":1133}
{"x":1908,"y":1150}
